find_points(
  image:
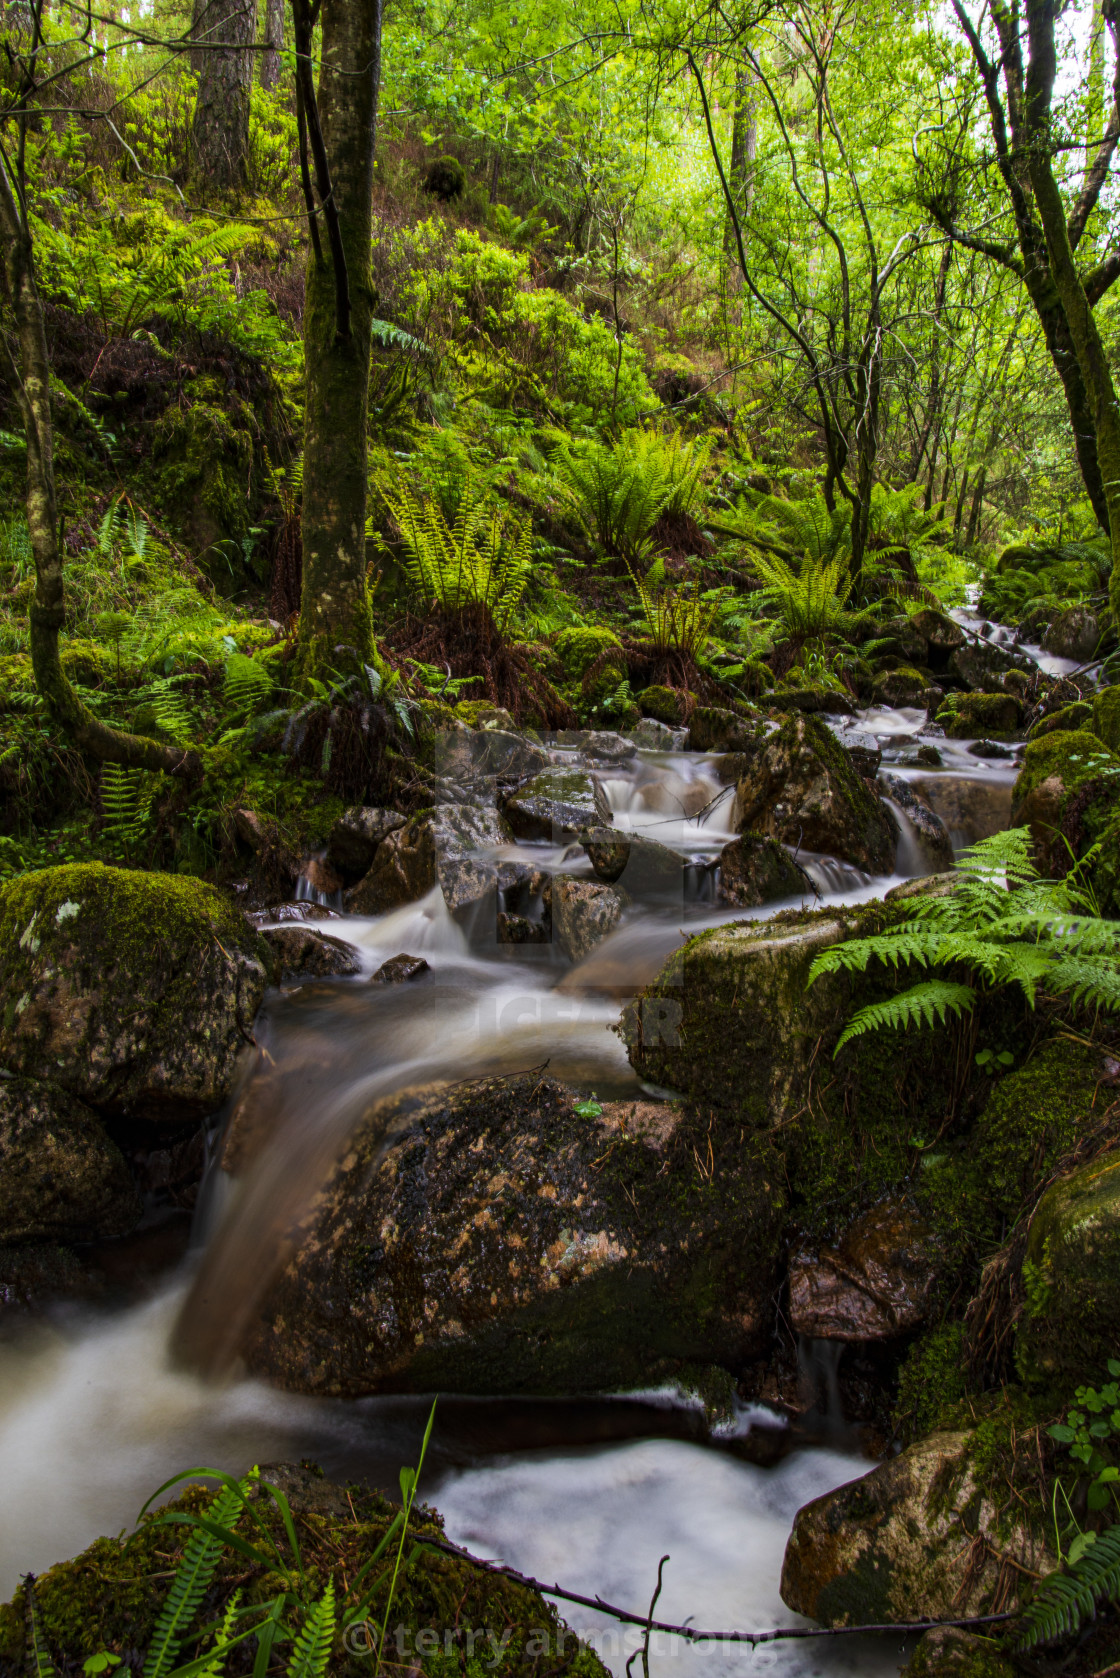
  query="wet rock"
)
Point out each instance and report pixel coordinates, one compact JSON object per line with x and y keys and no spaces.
{"x":61,"y":1178}
{"x":354,"y":839}
{"x":555,"y":805}
{"x":754,"y":869}
{"x":1074,"y":633}
{"x":919,"y":1537}
{"x":927,"y":827}
{"x":875,"y":1283}
{"x":40,"y":1275}
{"x":132,"y":991}
{"x":902,"y":639}
{"x":965,"y":715}
{"x":598,"y":745}
{"x":992,"y":749}
{"x":172,"y":1173}
{"x":645,"y":869}
{"x":1068,"y":717}
{"x":952,"y":1652}
{"x":970,"y":809}
{"x":937,"y":629}
{"x":1071,"y":1274}
{"x":922,"y":757}
{"x":398,"y":970}
{"x":501,"y":1244}
{"x":583,"y":913}
{"x":652,"y":736}
{"x":981,"y":666}
{"x":713,"y":730}
{"x":439,"y":846}
{"x":864,"y":750}
{"x":522,"y":929}
{"x":905,"y":686}
{"x":832,"y":700}
{"x":291,"y":914}
{"x":803,"y":790}
{"x":667,"y":705}
{"x":473,"y":756}
{"x":304,"y":954}
{"x":1052,"y":769}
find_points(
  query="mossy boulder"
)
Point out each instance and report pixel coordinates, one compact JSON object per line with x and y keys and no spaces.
{"x":555,"y":805}
{"x":1073,"y":633}
{"x":1052,"y":769}
{"x":754,"y":869}
{"x":904,"y":686}
{"x":500,"y":1243}
{"x":61,"y":1177}
{"x":803,"y":790}
{"x":663,"y":704}
{"x":1064,"y":721}
{"x":1106,"y":717}
{"x":578,"y":648}
{"x":1032,"y":1117}
{"x":992,"y":716}
{"x":937,"y":629}
{"x":108,"y":1599}
{"x":134,"y":992}
{"x":901,"y":1543}
{"x":952,"y":1652}
{"x":1070,"y":1323}
{"x":86,"y":662}
{"x":712,"y":729}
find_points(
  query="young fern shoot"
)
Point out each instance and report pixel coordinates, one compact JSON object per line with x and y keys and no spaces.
{"x":1004,"y":923}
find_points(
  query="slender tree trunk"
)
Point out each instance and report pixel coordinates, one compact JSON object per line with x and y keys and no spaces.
{"x":274,"y":42}
{"x":29,"y":371}
{"x":977,"y":505}
{"x":335,"y":608}
{"x":224,"y":31}
{"x":740,"y":175}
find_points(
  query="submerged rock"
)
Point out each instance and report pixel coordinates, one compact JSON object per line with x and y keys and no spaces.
{"x":502,"y":1244}
{"x":919,"y":1537}
{"x":132,"y":991}
{"x":754,"y":870}
{"x":303,"y":953}
{"x":438,"y":846}
{"x":61,"y":1177}
{"x":803,"y":790}
{"x":875,"y":1283}
{"x":584,"y":912}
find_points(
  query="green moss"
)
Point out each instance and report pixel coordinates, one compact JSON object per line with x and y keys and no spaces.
{"x":1106,"y":717}
{"x":16,"y":677}
{"x":1073,"y":756}
{"x":204,"y":462}
{"x":665,"y":705}
{"x":578,"y":648}
{"x":931,"y":1383}
{"x":1071,"y":1273}
{"x":954,"y":1653}
{"x":86,"y":662}
{"x":1033,"y":1117}
{"x":1077,"y":715}
{"x":993,"y":715}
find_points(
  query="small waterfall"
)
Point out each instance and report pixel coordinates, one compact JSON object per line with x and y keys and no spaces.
{"x":818,"y":1369}
{"x":909,"y":858}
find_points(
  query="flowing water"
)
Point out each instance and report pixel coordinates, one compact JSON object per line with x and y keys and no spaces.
{"x":96,"y":1409}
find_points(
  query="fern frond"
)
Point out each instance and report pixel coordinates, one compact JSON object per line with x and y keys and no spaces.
{"x":927,"y":1004}
{"x":125,"y":801}
{"x":196,"y":1568}
{"x":246,"y":683}
{"x":1064,"y":1601}
{"x":312,"y":1652}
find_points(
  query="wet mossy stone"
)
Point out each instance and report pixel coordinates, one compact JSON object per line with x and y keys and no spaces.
{"x":965,"y":716}
{"x":754,"y":869}
{"x":904,"y":685}
{"x":803,"y":790}
{"x":61,"y":1177}
{"x":1074,"y":632}
{"x":1032,"y":1117}
{"x":109,"y":1598}
{"x":1064,"y":721}
{"x":578,"y":648}
{"x":1070,"y":757}
{"x":952,"y":1652}
{"x":445,"y":179}
{"x":713,"y":729}
{"x":1106,"y":717}
{"x":501,"y":1243}
{"x":1070,"y":1323}
{"x":134,"y":992}
{"x":663,"y":704}
{"x":898,"y":1544}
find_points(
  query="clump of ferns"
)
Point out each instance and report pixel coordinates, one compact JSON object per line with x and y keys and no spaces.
{"x":349,"y":726}
{"x":677,"y":620}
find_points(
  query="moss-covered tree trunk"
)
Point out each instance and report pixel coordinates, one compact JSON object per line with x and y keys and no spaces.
{"x":224,"y":32}
{"x":1092,"y":358}
{"x":29,"y":372}
{"x":274,"y":42}
{"x":334,"y":606}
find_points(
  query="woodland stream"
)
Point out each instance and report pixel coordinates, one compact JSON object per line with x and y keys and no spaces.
{"x":94,"y":1411}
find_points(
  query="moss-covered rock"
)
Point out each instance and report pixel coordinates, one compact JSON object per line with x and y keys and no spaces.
{"x":965,"y":716}
{"x":86,"y":662}
{"x":61,"y":1178}
{"x":1074,"y":633}
{"x":754,"y":870}
{"x":132,"y":991}
{"x":1106,"y":717}
{"x":664,"y":704}
{"x":1071,"y":1276}
{"x":803,"y":790}
{"x":952,"y":1652}
{"x":578,"y":648}
{"x":1061,"y":763}
{"x":712,"y":729}
{"x":901,"y":1543}
{"x":1034,"y":1116}
{"x":501,"y":1243}
{"x":1064,"y":720}
{"x":904,"y":686}
{"x":108,"y":1599}
{"x":555,"y":805}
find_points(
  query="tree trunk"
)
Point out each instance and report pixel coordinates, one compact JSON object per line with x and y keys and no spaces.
{"x":274,"y":41}
{"x":335,"y":608}
{"x":740,"y":175}
{"x":31,"y":385}
{"x":1092,"y":358}
{"x":224,"y":32}
{"x":977,"y":507}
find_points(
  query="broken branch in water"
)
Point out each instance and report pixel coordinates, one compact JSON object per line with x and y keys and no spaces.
{"x":692,"y":1633}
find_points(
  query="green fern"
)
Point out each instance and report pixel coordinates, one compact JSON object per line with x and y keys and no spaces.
{"x":1005,"y":923}
{"x":809,"y":601}
{"x":196,"y":1568}
{"x":620,"y":492}
{"x":247,"y":682}
{"x":1064,"y":1601}
{"x":480,"y":559}
{"x":164,"y":699}
{"x":677,"y":618}
{"x":312,"y":1652}
{"x":125,"y":802}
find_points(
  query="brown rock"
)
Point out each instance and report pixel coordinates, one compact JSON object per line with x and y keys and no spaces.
{"x":445,"y":845}
{"x":876,"y":1282}
{"x":583,"y":913}
{"x":754,"y":870}
{"x":398,"y":970}
{"x":61,"y":1178}
{"x":321,"y":877}
{"x":354,"y":839}
{"x":306,"y":954}
{"x":971,"y":809}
